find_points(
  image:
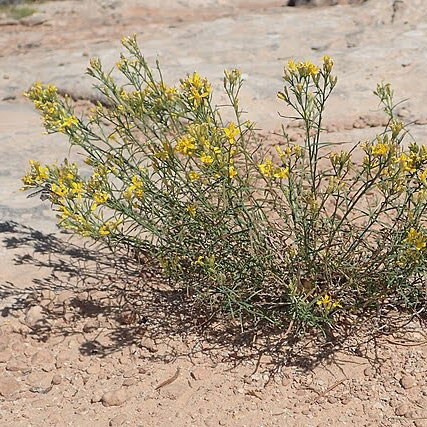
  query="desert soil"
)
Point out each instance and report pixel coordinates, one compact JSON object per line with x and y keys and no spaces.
{"x":87,"y":339}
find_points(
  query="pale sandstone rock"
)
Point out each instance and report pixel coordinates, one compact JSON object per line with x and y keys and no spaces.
{"x":56,"y":379}
{"x":91,"y":325}
{"x":402,"y":409}
{"x":9,"y":386}
{"x":118,"y":420}
{"x":64,"y":296}
{"x":408,"y":382}
{"x":34,"y":316}
{"x":43,"y":359}
{"x":115,"y":397}
{"x":39,"y":379}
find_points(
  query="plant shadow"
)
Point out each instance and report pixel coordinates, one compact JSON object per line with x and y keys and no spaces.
{"x":126,"y":297}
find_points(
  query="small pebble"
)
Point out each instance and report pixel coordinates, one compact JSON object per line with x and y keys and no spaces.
{"x":407,"y":382}
{"x":401,"y":409}
{"x":56,"y":379}
{"x":115,"y":397}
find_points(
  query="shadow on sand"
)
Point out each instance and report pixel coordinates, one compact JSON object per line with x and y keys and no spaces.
{"x":85,"y":282}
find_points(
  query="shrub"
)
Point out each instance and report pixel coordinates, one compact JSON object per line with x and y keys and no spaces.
{"x":17,"y":12}
{"x":301,"y":235}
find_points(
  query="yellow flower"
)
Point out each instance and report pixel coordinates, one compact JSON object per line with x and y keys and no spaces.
{"x":231,"y":132}
{"x":192,"y":210}
{"x":335,"y":184}
{"x":99,"y":199}
{"x":37,"y":175}
{"x":67,"y":123}
{"x":304,"y":69}
{"x":127,"y":41}
{"x":325,"y":300}
{"x":314,"y":205}
{"x":134,"y":190}
{"x":232,"y":76}
{"x":206,"y":159}
{"x":406,"y":163}
{"x":298,"y":150}
{"x":266,"y":168}
{"x":199,"y":261}
{"x":341,"y":159}
{"x":108,"y":227}
{"x":77,"y":189}
{"x":380,"y":149}
{"x":194,"y":81}
{"x":27,"y":180}
{"x":65,"y":211}
{"x":292,"y":66}
{"x":232,"y":172}
{"x":328,"y":63}
{"x":193,"y":176}
{"x":196,"y":88}
{"x":137,"y":181}
{"x":60,"y":190}
{"x":121,"y":64}
{"x":185,"y":145}
{"x":279,"y":151}
{"x":281,"y":173}
{"x":395,"y":127}
{"x":198,"y":97}
{"x":162,"y":155}
{"x":311,"y":68}
{"x":423,"y":176}
{"x":416,"y":239}
{"x":104,"y":230}
{"x":170,"y":93}
{"x":327,"y":303}
{"x":42,"y":173}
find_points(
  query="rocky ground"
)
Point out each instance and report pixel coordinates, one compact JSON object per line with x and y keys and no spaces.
{"x":78,"y":343}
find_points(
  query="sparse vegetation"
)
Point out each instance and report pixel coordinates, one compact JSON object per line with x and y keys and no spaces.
{"x":304,"y":235}
{"x":17,"y":12}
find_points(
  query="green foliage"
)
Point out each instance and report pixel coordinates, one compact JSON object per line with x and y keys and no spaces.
{"x":302,"y":234}
{"x":19,"y":12}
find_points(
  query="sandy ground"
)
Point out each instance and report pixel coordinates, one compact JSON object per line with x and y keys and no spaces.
{"x":76,"y":348}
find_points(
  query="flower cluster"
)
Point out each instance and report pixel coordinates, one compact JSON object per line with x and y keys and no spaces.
{"x":327,"y":303}
{"x":302,"y":69}
{"x":416,"y":239}
{"x":397,"y":168}
{"x":268,"y":170}
{"x":56,"y":118}
{"x":300,"y":74}
{"x":136,"y":189}
{"x":212,"y":148}
{"x":196,"y":89}
{"x":36,"y":176}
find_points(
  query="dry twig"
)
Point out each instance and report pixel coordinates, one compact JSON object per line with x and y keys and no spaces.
{"x":324,"y":393}
{"x":169,"y":381}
